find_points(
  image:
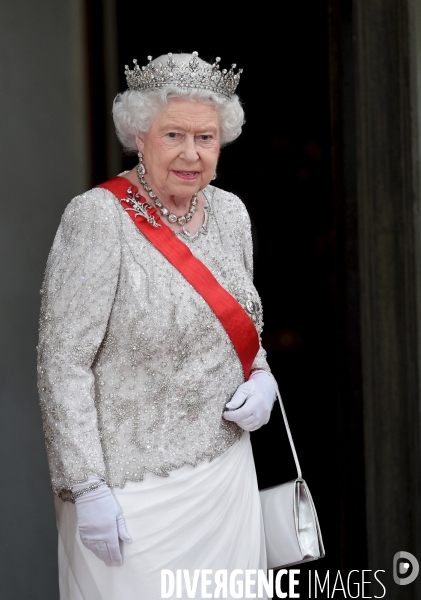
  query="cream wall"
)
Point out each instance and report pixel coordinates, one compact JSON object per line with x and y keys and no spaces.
{"x":43,"y":164}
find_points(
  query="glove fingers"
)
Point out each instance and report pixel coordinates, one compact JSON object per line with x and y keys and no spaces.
{"x":241,"y":395}
{"x":236,"y":415}
{"x":237,"y":400}
{"x":242,"y":413}
{"x":252,"y":402}
{"x":114,"y":554}
{"x":254,"y":422}
{"x":248,"y":421}
{"x":229,"y":416}
{"x":98,"y":549}
{"x":101,"y":550}
{"x":109,"y":553}
{"x":122,"y":531}
{"x":251,"y":427}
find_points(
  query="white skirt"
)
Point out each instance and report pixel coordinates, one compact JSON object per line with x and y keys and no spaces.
{"x":203,"y":517}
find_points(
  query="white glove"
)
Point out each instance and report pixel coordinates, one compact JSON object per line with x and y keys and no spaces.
{"x":101,"y":522}
{"x":251,"y":405}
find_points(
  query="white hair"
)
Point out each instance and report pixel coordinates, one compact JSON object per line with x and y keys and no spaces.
{"x":134,"y":111}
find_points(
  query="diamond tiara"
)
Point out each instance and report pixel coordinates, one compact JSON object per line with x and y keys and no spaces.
{"x":194,"y":75}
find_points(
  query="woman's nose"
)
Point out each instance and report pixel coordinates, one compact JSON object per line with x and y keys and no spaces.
{"x":189,"y":150}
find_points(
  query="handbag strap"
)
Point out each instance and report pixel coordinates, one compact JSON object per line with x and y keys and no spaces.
{"x":291,"y":441}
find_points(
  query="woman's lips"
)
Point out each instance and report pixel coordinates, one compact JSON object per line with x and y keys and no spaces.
{"x":189,"y":175}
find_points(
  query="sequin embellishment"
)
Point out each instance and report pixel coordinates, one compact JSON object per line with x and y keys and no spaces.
{"x":134,"y":369}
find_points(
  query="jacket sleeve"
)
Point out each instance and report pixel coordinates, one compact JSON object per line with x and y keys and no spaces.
{"x":77,"y":297}
{"x":260,"y":361}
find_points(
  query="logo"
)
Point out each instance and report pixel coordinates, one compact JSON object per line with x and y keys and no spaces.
{"x":405,"y":568}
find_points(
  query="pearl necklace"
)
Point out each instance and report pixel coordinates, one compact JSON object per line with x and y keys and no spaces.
{"x":172,"y":218}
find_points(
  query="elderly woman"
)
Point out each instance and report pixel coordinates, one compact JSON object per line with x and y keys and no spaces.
{"x":151,"y":372}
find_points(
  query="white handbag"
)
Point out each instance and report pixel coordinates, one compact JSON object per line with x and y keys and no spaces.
{"x":291,"y":525}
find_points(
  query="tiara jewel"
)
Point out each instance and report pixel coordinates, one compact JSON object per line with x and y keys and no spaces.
{"x":186,"y":75}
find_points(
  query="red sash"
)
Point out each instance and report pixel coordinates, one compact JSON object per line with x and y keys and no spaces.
{"x":231,"y":314}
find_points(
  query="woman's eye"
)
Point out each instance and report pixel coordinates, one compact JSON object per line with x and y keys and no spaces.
{"x":172,"y":135}
{"x":205,"y":137}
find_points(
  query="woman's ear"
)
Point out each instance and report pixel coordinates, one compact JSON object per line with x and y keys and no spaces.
{"x":139,"y":143}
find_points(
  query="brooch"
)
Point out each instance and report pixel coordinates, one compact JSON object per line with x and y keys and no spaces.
{"x":252,"y":307}
{"x":140,"y":208}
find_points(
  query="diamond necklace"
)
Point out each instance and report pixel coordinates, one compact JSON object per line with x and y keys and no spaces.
{"x":172,"y":218}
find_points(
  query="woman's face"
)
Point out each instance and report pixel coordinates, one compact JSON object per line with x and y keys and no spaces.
{"x":181,"y":149}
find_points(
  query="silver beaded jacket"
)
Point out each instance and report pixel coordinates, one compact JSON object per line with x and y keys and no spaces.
{"x":134,"y":368}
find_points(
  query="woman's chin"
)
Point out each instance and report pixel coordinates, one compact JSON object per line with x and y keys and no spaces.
{"x":186,"y":188}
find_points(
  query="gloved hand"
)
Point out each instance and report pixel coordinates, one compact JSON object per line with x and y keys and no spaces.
{"x":251,"y":405}
{"x":101,"y":522}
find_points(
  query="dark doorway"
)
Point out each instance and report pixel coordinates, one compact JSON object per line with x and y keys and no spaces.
{"x":281,"y":167}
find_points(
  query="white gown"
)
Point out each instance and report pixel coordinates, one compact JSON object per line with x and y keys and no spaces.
{"x":203,"y":517}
